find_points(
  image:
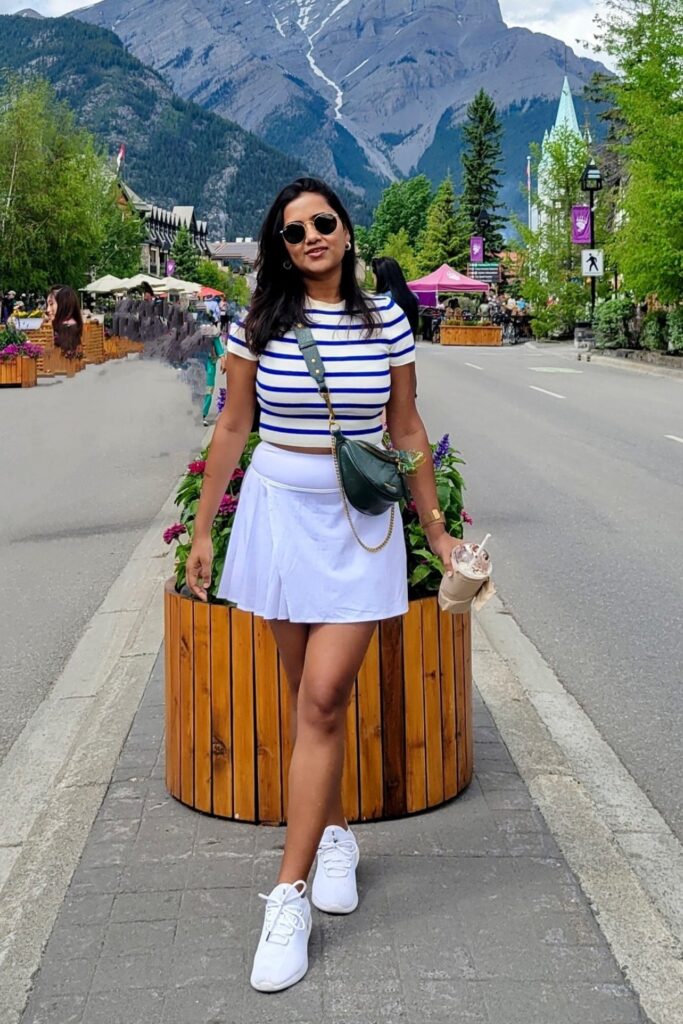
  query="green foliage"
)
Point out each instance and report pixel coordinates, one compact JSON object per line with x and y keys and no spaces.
{"x":185,"y":255}
{"x":611,"y":323}
{"x":675,"y":330}
{"x":239,"y":290}
{"x":481,"y":161}
{"x":645,"y":39}
{"x":404,"y":206}
{"x":123,"y":234}
{"x":398,"y":247}
{"x":58,"y":203}
{"x":653,"y":333}
{"x":364,"y":245}
{"x":424,"y":569}
{"x":445,"y":233}
{"x":211,"y":275}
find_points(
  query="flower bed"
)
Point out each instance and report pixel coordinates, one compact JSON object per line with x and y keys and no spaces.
{"x":18,"y":359}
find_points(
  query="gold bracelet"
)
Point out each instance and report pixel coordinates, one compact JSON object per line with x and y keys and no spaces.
{"x":435,"y":516}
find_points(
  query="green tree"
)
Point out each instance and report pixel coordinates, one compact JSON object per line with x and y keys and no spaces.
{"x":404,"y":206}
{"x":211,"y":275}
{"x":645,"y":38}
{"x":481,"y":162}
{"x":186,"y":256}
{"x":56,"y":188}
{"x":399,"y":248}
{"x":445,"y":238}
{"x":122,"y":236}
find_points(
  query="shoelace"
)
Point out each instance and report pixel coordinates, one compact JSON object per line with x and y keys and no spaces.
{"x":337,"y":857}
{"x":283,"y":916}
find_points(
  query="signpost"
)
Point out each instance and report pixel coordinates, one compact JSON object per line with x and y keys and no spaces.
{"x":592,"y":262}
{"x":487,"y":272}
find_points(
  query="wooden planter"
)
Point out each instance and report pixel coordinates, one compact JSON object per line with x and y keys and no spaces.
{"x":93,"y":342}
{"x":458,"y":334}
{"x":119,"y":348}
{"x":408,"y":728}
{"x":21,"y":372}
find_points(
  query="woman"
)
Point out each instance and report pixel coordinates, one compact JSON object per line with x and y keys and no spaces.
{"x":64,"y":313}
{"x":390,"y":280}
{"x":293,"y":558}
{"x":213,"y":357}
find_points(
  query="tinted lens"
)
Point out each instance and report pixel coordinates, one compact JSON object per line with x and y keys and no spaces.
{"x":294,"y":233}
{"x":325,"y":223}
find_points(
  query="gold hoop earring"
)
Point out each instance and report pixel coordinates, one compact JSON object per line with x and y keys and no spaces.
{"x":287,"y":265}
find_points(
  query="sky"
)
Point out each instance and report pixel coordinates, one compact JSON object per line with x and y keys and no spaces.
{"x":565,"y":19}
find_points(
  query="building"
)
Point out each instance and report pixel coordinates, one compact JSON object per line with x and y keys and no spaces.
{"x":161,"y":228}
{"x":566,"y":118}
{"x":234,"y":255}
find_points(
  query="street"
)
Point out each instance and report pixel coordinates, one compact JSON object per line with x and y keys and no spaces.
{"x":85,"y":465}
{"x":576,"y":471}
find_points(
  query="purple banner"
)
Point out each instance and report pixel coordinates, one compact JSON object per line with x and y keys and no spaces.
{"x":476,"y":249}
{"x":581,"y":225}
{"x":170,"y":267}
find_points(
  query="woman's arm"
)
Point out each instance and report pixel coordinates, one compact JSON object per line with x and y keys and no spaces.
{"x":407,"y":432}
{"x":229,"y":438}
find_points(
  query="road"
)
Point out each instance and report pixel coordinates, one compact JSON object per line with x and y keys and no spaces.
{"x":84,"y":465}
{"x":577,"y":471}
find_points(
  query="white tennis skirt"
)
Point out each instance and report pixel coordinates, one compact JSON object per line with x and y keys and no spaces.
{"x":292,"y":554}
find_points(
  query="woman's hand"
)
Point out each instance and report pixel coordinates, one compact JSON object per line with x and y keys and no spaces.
{"x":198,"y":568}
{"x":443,"y":547}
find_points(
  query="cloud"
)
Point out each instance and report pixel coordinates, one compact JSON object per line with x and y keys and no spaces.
{"x":50,"y":8}
{"x":573,"y":23}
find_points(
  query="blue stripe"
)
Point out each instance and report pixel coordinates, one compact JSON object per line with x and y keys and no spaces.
{"x":337,"y":407}
{"x":403,"y":352}
{"x":301,"y":415}
{"x":337,"y":391}
{"x":356,"y":327}
{"x":317,"y":433}
{"x":305,"y":373}
{"x":400,"y":337}
{"x":328,"y":359}
{"x":350,"y":341}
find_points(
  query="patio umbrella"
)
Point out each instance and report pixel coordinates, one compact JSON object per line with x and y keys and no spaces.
{"x":444,"y":279}
{"x":210,"y":293}
{"x":105,"y":285}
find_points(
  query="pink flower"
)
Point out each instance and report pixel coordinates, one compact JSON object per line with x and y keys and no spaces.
{"x":197,"y":467}
{"x":238,"y":474}
{"x":411,"y":507}
{"x":466,"y":517}
{"x":228,"y":505}
{"x":173,"y":532}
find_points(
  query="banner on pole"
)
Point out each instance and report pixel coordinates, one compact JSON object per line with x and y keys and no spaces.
{"x":170,"y":267}
{"x":581,"y":225}
{"x":476,"y":249}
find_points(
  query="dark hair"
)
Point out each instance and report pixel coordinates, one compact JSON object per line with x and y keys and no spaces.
{"x":147,"y":289}
{"x":390,"y":278}
{"x":278,"y":300}
{"x":67,"y":335}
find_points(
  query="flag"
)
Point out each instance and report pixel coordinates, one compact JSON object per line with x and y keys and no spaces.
{"x":581,"y":225}
{"x":121,"y":156}
{"x":476,"y":249}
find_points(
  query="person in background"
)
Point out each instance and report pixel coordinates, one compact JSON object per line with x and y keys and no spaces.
{"x":8,"y":304}
{"x":390,"y":280}
{"x":224,"y":314}
{"x":215,"y":355}
{"x":64,"y":313}
{"x":147,"y":292}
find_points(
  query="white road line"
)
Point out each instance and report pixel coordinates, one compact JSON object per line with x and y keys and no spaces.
{"x":474,"y":366}
{"x":543,"y":390}
{"x":672,"y":437}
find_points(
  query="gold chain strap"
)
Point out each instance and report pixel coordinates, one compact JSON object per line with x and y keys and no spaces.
{"x":392,"y":515}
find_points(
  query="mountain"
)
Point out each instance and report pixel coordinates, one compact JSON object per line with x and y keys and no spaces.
{"x":361,"y":89}
{"x":177,"y":152}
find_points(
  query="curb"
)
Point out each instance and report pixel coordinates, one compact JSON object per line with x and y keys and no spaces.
{"x":57,"y":772}
{"x":624,"y":855}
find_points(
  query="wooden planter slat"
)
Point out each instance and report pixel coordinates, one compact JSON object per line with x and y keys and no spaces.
{"x":458,"y":334}
{"x":448,"y":711}
{"x":203,"y":768}
{"x":221,"y":712}
{"x":20,"y":372}
{"x":393,"y":717}
{"x":243,"y":740}
{"x":408,"y":724}
{"x":371,"y":775}
{"x":268,"y":724}
{"x":432,"y":694}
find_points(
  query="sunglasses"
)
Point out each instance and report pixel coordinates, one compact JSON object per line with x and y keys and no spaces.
{"x":324,"y":224}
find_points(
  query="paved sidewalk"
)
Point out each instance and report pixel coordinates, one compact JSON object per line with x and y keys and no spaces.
{"x":468,"y":914}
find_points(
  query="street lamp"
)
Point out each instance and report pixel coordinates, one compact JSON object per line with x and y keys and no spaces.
{"x":483,"y":222}
{"x":591,"y":182}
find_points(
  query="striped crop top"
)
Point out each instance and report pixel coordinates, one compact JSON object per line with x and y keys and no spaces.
{"x":357,"y":371}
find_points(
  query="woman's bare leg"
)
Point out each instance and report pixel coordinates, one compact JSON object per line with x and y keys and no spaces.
{"x":334,"y":653}
{"x":291,"y":639}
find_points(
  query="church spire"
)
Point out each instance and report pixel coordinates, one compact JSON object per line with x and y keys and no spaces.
{"x":566,"y":114}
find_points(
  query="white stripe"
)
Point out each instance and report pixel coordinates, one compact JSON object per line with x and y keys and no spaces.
{"x":672,"y":437}
{"x":543,"y":390}
{"x":474,"y":366}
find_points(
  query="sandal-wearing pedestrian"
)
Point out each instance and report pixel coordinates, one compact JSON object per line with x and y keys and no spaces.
{"x":334,"y":886}
{"x":282,"y":953}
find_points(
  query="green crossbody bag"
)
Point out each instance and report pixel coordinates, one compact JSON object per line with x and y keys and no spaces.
{"x":371,"y":479}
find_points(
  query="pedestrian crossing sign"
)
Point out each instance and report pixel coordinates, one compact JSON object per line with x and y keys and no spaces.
{"x":592,"y":262}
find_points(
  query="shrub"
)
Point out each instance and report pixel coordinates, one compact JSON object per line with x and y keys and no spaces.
{"x":611,"y":323}
{"x":653,"y":333}
{"x":674,"y":323}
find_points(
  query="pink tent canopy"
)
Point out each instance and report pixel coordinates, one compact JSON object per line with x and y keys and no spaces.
{"x":444,"y":279}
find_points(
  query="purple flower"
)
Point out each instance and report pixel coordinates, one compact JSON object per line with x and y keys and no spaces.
{"x":228,"y":505}
{"x":466,"y":517}
{"x":441,"y":451}
{"x":173,"y":532}
{"x":220,"y":401}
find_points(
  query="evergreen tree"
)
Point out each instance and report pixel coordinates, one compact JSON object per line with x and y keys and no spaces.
{"x":404,"y":206}
{"x":185,"y":255}
{"x":481,"y":161}
{"x":445,"y":238}
{"x":398,"y":247}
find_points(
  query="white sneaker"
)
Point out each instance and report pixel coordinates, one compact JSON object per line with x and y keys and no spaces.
{"x":282,"y":953}
{"x":334,"y":886}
